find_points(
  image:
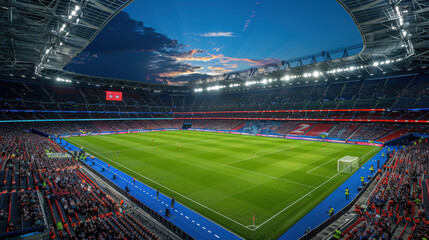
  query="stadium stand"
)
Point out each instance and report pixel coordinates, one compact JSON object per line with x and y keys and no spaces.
{"x":319,"y":129}
{"x":395,"y":209}
{"x":40,"y":183}
{"x":343,"y":130}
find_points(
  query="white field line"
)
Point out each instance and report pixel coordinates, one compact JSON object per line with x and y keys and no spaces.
{"x":268,"y":176}
{"x":264,"y":175}
{"x":284,"y":209}
{"x":202,"y":205}
{"x":319,"y":175}
{"x":321,"y":165}
{"x":256,"y":156}
{"x":166,"y":145}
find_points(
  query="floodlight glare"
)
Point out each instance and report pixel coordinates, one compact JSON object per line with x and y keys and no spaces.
{"x":316,"y":74}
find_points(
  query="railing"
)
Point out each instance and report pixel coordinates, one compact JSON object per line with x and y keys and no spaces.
{"x":35,"y":230}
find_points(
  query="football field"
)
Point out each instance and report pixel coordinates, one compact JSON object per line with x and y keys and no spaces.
{"x":230,"y":178}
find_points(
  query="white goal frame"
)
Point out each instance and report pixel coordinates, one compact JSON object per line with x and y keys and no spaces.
{"x":353,"y":163}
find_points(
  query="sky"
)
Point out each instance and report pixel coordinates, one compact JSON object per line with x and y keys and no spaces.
{"x":175,"y":41}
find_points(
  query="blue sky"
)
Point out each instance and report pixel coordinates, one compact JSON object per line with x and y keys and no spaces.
{"x":180,"y":40}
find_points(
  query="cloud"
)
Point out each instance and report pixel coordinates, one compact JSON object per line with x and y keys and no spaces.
{"x":231,"y":65}
{"x":219,"y":70}
{"x":193,"y":52}
{"x":179,"y":72}
{"x":215,"y":34}
{"x":252,"y":16}
{"x":124,"y":34}
{"x":219,"y":48}
{"x":225,"y":59}
{"x":176,"y":73}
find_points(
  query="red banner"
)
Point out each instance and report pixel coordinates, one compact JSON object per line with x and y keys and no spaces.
{"x":113,"y":96}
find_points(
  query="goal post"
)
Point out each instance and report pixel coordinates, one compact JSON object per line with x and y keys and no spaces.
{"x":348,"y":164}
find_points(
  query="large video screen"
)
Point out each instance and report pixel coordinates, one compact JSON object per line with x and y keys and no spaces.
{"x":113,"y":96}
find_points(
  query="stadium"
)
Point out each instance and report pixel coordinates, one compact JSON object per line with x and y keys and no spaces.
{"x":332,"y":145}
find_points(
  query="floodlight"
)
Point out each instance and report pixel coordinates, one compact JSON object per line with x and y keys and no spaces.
{"x":316,"y":74}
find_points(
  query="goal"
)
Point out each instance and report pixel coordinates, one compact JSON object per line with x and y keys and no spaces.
{"x":348,"y":164}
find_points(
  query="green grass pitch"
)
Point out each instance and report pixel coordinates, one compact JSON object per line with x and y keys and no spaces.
{"x":229,"y":178}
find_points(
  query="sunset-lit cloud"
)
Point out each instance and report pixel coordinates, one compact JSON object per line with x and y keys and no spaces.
{"x":219,"y":48}
{"x":176,"y":73}
{"x":225,"y":59}
{"x":231,"y":65}
{"x":180,"y":72}
{"x":219,"y":70}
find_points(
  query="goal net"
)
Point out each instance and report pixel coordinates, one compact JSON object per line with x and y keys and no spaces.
{"x":348,"y":164}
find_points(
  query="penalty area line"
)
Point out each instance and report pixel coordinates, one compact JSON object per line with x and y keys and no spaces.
{"x":256,"y":156}
{"x":284,"y":209}
{"x":268,"y":176}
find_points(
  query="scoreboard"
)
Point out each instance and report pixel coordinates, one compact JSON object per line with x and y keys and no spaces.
{"x":113,"y":96}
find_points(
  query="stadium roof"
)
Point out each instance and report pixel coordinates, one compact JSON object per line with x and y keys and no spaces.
{"x":47,"y":34}
{"x":392,"y":28}
{"x":41,"y":37}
